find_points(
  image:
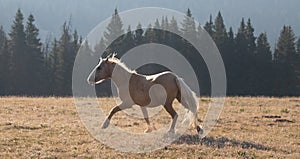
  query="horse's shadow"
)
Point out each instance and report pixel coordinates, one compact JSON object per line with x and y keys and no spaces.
{"x":218,"y":142}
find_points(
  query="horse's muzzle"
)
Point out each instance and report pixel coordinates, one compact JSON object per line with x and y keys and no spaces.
{"x":91,"y":81}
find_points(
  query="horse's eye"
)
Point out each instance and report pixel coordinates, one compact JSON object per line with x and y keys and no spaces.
{"x":98,"y":68}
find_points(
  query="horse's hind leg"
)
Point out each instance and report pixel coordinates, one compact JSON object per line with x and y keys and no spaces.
{"x":146,"y":117}
{"x":112,"y":112}
{"x":169,"y":108}
{"x":194,"y":123}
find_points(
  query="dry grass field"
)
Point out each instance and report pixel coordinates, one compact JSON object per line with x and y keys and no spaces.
{"x":248,"y":127}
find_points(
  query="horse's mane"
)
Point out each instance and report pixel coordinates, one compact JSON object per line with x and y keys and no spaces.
{"x":121,"y":64}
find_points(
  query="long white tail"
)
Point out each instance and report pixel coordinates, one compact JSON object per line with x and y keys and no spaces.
{"x":188,"y":100}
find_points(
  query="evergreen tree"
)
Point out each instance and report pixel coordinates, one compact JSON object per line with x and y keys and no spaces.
{"x":231,"y":61}
{"x":157,"y":30}
{"x":74,"y":46}
{"x":263,"y":49}
{"x":297,"y":67}
{"x":164,"y":27}
{"x":113,"y":33}
{"x":187,"y":49}
{"x":209,"y":26}
{"x":230,"y":40}
{"x":32,"y":33}
{"x":2,"y":36}
{"x":250,"y":71}
{"x":241,"y":71}
{"x":76,"y":41}
{"x":286,"y":45}
{"x":46,"y":48}
{"x":173,"y":27}
{"x":57,"y":70}
{"x":298,"y":46}
{"x":150,"y":34}
{"x":220,"y":35}
{"x":67,"y":53}
{"x":19,"y":76}
{"x":188,"y":26}
{"x":263,"y":66}
{"x":48,"y":72}
{"x":240,"y":40}
{"x":156,"y":24}
{"x":139,"y":35}
{"x":83,"y":62}
{"x":62,"y":59}
{"x":249,"y":33}
{"x":4,"y":69}
{"x":35,"y":58}
{"x":4,"y":62}
{"x":285,"y":60}
{"x":174,"y":40}
{"x":199,"y":31}
{"x":128,"y":42}
{"x":190,"y":34}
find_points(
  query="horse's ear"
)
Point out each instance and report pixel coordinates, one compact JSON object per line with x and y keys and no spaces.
{"x":109,"y":55}
{"x":114,"y":54}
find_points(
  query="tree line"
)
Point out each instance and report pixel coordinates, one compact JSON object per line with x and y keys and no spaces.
{"x":30,"y":67}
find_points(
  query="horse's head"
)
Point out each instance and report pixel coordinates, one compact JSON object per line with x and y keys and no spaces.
{"x":102,"y":71}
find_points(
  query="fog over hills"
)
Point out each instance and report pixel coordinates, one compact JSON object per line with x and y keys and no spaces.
{"x":266,"y":15}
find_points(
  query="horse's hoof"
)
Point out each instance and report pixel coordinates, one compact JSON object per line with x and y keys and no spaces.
{"x":171,"y":132}
{"x":105,"y":124}
{"x":170,"y":135}
{"x":149,"y":130}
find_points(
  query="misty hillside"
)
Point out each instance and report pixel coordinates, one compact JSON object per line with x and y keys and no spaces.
{"x":267,"y":15}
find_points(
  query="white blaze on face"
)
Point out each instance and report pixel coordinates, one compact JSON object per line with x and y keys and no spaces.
{"x":91,"y":77}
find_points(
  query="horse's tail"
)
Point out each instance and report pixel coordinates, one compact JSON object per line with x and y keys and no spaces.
{"x":188,"y":99}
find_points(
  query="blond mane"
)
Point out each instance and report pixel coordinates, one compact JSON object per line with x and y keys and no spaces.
{"x":121,"y":64}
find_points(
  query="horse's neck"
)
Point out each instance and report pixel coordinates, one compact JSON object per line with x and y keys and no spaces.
{"x":121,"y":77}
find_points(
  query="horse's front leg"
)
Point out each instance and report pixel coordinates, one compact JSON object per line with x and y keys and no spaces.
{"x":146,"y":117}
{"x":112,"y":112}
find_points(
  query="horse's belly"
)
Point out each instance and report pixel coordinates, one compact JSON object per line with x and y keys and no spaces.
{"x":154,"y":96}
{"x":153,"y":91}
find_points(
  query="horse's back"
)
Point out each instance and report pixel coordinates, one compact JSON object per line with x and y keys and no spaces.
{"x":141,"y":85}
{"x":166,"y":79}
{"x":160,"y":77}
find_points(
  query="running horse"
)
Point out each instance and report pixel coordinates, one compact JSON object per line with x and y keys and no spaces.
{"x":145,"y":91}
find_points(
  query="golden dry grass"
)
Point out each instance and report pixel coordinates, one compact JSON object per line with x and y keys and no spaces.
{"x":247,"y":128}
